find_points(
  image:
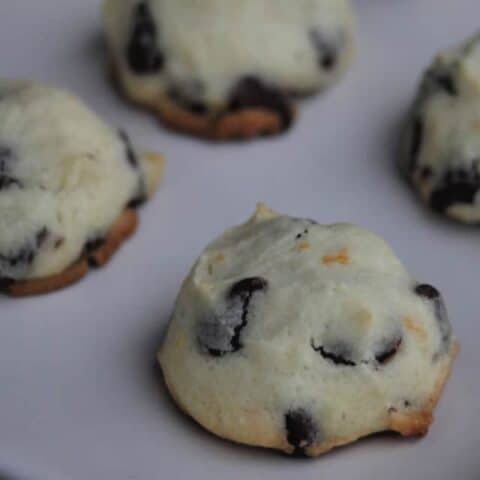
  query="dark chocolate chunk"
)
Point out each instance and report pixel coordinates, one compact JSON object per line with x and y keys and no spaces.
{"x":339,"y":354}
{"x":459,"y":186}
{"x":94,"y":244}
{"x":442,"y":81}
{"x":143,"y":54}
{"x":387,"y":350}
{"x":22,"y":257}
{"x":220,"y":334}
{"x":247,"y":287}
{"x":427,"y":291}
{"x":425,"y":173}
{"x":90,"y":247}
{"x":129,"y":151}
{"x":302,"y":430}
{"x":186,"y":101}
{"x":5,"y":283}
{"x":59,"y":242}
{"x":140,"y":196}
{"x":300,"y":235}
{"x":431,"y":293}
{"x":137,"y":201}
{"x":244,"y":291}
{"x":6,"y":181}
{"x":6,"y":156}
{"x":16,"y":262}
{"x":251,"y":92}
{"x":327,"y":54}
{"x":41,"y":236}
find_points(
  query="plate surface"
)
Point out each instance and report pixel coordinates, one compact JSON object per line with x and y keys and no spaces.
{"x":80,"y":395}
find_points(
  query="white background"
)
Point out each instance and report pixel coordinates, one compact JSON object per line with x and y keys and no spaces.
{"x":80,"y":395}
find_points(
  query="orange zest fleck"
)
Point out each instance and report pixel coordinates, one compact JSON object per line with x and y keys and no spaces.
{"x":340,"y":257}
{"x":220,"y":258}
{"x":415,"y":327}
{"x":302,"y":246}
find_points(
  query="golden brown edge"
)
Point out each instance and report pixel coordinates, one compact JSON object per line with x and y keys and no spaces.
{"x":243,"y":125}
{"x":416,"y":423}
{"x":122,"y":229}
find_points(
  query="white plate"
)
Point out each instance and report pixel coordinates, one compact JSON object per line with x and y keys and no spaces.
{"x":80,"y":395}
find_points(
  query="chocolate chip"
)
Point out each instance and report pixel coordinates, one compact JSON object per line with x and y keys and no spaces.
{"x":244,"y":290}
{"x":416,"y":141}
{"x":302,"y":430}
{"x":94,"y":244}
{"x":21,"y":258}
{"x":300,"y":235}
{"x":425,"y":173}
{"x":41,"y":236}
{"x":220,"y":334}
{"x":137,"y":201}
{"x":185,"y":100}
{"x":18,"y":261}
{"x":6,"y":156}
{"x":129,"y":151}
{"x":339,"y":353}
{"x":6,"y":159}
{"x":247,"y":287}
{"x":143,"y":54}
{"x":91,"y":246}
{"x":459,"y":186}
{"x":441,"y":80}
{"x":5,"y":283}
{"x":386,"y":351}
{"x":432,"y":294}
{"x":58,"y":242}
{"x":428,"y":291}
{"x":251,"y":92}
{"x":6,"y":181}
{"x":140,"y":196}
{"x":327,"y":55}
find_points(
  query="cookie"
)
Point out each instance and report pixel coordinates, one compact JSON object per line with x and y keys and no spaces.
{"x":441,"y":147}
{"x":302,"y":337}
{"x":225,"y":70}
{"x":69,"y":184}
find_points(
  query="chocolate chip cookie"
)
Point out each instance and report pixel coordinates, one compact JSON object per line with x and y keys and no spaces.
{"x":441,"y":148}
{"x":302,"y":337}
{"x":227,"y":70}
{"x":69,"y":186}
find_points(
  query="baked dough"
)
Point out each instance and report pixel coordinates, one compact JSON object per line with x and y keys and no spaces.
{"x":66,"y":179}
{"x":301,"y":337}
{"x":441,"y":149}
{"x":227,"y":69}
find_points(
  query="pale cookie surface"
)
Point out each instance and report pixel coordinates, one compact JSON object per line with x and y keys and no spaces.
{"x":292,"y":335}
{"x":210,"y":58}
{"x":441,"y":151}
{"x":65,"y":179}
